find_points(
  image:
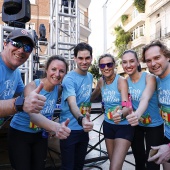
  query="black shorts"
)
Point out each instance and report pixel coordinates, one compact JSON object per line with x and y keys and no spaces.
{"x":166,"y":140}
{"x":112,"y":131}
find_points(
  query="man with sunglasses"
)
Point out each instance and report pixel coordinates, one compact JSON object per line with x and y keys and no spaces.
{"x":17,"y":49}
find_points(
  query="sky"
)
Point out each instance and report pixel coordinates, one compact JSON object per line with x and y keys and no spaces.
{"x":96,"y":37}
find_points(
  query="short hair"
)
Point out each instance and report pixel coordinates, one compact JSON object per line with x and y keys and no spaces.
{"x":164,"y":49}
{"x":136,"y":56}
{"x":81,"y":47}
{"x":106,"y":55}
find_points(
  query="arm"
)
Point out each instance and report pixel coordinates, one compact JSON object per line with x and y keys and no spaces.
{"x":97,"y":90}
{"x":86,"y":123}
{"x":61,"y":130}
{"x":7,"y":107}
{"x":146,"y":96}
{"x":163,"y":154}
{"x":123,"y":89}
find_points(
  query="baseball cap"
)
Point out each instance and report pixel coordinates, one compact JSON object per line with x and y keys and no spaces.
{"x":16,"y":33}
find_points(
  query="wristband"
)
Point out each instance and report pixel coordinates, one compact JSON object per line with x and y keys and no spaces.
{"x":80,"y":119}
{"x":169,"y":145}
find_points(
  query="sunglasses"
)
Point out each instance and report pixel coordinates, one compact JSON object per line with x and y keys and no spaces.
{"x":109,"y":65}
{"x":27,"y":48}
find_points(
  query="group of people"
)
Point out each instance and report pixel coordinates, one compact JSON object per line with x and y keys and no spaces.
{"x":132,"y":106}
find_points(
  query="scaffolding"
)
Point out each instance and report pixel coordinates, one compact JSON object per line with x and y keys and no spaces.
{"x":64,"y":28}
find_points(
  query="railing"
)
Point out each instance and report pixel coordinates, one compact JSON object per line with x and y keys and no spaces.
{"x":159,"y":35}
{"x":85,"y":21}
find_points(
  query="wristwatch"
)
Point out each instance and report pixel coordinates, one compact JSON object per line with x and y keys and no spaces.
{"x":80,"y":119}
{"x":19,"y":102}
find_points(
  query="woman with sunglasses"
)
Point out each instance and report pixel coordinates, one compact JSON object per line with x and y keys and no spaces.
{"x":27,"y":138}
{"x":145,"y":115}
{"x":118,"y":133}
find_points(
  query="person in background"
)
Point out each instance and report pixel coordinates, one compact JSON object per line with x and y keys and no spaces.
{"x":145,"y":115}
{"x":157,"y":57}
{"x":28,"y":140}
{"x":17,"y":49}
{"x":118,"y":133}
{"x":75,"y":105}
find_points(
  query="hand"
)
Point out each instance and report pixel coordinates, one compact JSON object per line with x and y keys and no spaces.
{"x":116,"y":116}
{"x":62,"y":132}
{"x":132,"y":119}
{"x":162,"y":156}
{"x":87,"y":123}
{"x":34,"y":102}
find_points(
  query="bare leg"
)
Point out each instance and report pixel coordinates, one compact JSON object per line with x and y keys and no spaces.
{"x":166,"y":166}
{"x":117,"y":150}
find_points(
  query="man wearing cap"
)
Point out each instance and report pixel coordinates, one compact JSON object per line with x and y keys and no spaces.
{"x":17,"y":49}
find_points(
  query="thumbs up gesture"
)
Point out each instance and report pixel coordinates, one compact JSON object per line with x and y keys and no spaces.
{"x":87,"y":123}
{"x":34,"y":102}
{"x":63,"y":131}
{"x":116,"y":116}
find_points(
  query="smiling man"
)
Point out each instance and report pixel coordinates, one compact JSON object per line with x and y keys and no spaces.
{"x":157,"y":57}
{"x":75,"y":105}
{"x":17,"y":49}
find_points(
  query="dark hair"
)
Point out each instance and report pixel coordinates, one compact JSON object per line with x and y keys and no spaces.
{"x":106,"y":55}
{"x":81,"y":47}
{"x":165,"y":51}
{"x":52,"y":58}
{"x":136,"y":56}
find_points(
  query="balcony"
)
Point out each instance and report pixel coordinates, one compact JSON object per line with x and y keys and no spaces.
{"x":157,"y":5}
{"x":85,"y":27}
{"x":84,"y":3}
{"x":161,"y":35}
{"x":140,"y":19}
{"x":138,"y":42}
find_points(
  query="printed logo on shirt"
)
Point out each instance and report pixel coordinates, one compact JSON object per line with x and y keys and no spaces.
{"x":8,"y":90}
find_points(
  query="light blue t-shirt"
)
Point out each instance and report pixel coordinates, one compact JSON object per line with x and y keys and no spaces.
{"x":10,"y":81}
{"x":21,"y":120}
{"x":163,"y":88}
{"x":151,"y":117}
{"x":111,"y":98}
{"x":79,"y":86}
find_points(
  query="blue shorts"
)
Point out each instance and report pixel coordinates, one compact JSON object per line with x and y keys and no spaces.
{"x":112,"y":131}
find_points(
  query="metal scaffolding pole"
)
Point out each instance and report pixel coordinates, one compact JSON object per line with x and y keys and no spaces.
{"x":64,"y":28}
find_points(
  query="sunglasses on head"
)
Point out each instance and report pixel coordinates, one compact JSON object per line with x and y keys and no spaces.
{"x":109,"y":65}
{"x":27,"y":48}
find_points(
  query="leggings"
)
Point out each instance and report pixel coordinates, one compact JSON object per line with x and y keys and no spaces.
{"x":27,"y":151}
{"x":144,"y":138}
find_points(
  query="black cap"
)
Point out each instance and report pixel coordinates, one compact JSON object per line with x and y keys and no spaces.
{"x":16,"y":33}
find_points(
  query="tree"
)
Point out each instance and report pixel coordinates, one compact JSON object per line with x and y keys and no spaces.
{"x":122,"y":39}
{"x":94,"y":70}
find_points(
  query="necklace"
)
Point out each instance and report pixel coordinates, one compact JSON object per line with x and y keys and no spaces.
{"x":109,"y":81}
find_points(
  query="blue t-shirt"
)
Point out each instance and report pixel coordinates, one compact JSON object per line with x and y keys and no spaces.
{"x":21,"y":120}
{"x":151,"y":117}
{"x":111,"y":98}
{"x":10,"y":82}
{"x":79,"y":86}
{"x":163,"y":88}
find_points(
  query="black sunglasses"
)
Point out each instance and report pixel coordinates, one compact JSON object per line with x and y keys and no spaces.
{"x":27,"y":48}
{"x":109,"y":65}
